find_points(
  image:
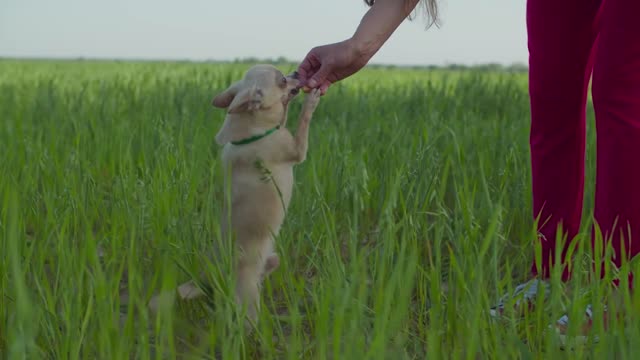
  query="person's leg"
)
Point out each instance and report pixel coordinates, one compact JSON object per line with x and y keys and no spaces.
{"x":561,"y":37}
{"x":616,"y":97}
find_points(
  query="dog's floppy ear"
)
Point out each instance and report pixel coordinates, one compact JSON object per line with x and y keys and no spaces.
{"x":248,"y":99}
{"x":236,"y":99}
{"x":224,"y":99}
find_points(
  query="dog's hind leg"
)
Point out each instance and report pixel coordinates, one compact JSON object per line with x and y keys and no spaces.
{"x":249,"y":277}
{"x":256,"y":261}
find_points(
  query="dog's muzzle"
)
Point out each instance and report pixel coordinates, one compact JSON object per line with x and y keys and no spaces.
{"x":296,"y":76}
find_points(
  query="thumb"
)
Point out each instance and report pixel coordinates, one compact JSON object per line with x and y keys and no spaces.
{"x":320,"y":75}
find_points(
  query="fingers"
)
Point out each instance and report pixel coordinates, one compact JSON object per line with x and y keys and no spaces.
{"x":322,"y":88}
{"x":304,"y":70}
{"x":314,"y":70}
{"x":319,"y":78}
{"x":308,"y":66}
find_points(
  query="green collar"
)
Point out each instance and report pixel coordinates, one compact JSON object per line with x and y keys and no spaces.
{"x":255,"y":137}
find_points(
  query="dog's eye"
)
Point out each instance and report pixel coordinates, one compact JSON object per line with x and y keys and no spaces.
{"x":283,"y":81}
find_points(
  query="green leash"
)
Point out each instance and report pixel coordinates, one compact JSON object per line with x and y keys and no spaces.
{"x":255,"y":137}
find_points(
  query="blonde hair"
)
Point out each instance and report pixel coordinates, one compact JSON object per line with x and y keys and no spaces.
{"x":429,"y":7}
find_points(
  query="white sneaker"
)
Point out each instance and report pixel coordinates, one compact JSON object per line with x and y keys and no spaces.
{"x":562,"y":325}
{"x":522,"y":298}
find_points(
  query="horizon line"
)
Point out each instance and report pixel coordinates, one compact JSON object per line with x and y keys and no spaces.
{"x":247,"y":59}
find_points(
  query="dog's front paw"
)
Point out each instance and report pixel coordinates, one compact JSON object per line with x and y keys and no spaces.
{"x":311,"y":101}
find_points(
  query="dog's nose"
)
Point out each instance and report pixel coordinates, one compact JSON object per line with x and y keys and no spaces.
{"x":295,"y":75}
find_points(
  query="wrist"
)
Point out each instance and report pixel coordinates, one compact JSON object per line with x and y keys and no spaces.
{"x":364,"y":48}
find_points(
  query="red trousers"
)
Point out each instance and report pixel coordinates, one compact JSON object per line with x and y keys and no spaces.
{"x":571,"y":41}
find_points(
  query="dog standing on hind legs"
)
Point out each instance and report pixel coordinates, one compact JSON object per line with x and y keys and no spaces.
{"x":258,"y":158}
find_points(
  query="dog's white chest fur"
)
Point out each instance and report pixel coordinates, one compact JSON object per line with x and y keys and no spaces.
{"x":261,"y":183}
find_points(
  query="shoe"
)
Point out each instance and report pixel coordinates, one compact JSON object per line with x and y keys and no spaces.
{"x":562,"y":327}
{"x":524,"y":295}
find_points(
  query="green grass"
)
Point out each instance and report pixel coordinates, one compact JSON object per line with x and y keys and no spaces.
{"x":410,"y":216}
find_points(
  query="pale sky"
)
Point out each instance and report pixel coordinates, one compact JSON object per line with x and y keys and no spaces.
{"x":472,"y":31}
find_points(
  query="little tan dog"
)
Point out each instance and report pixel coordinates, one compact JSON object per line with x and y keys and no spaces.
{"x":255,"y":139}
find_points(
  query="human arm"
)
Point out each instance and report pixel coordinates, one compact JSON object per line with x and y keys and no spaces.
{"x":327,"y":64}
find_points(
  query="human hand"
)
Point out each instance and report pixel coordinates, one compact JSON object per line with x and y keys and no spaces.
{"x":328,"y":64}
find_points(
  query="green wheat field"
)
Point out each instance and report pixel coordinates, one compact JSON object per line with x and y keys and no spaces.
{"x":410,"y":217}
